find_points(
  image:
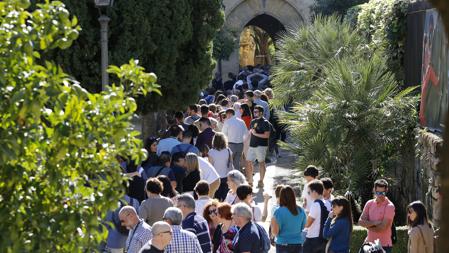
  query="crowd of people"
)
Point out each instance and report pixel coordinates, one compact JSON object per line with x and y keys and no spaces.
{"x":194,"y":192}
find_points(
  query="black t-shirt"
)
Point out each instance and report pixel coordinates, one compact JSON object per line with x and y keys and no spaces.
{"x":190,"y":181}
{"x":151,"y":249}
{"x":261,"y":125}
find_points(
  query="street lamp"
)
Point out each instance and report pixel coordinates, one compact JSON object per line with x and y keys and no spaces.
{"x":104,"y":20}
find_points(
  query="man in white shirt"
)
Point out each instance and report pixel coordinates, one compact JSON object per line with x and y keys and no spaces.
{"x":315,"y":242}
{"x":310,"y":173}
{"x":209,"y":174}
{"x":258,"y":101}
{"x":327,"y":193}
{"x":235,"y":130}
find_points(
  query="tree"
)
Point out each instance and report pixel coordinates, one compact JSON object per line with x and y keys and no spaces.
{"x":172,"y":40}
{"x":58,"y":142}
{"x":353,"y":122}
{"x":334,"y":7}
{"x":304,"y":53}
{"x":225,"y":42}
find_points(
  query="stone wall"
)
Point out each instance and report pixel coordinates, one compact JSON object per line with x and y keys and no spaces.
{"x":291,"y":13}
{"x":429,"y":148}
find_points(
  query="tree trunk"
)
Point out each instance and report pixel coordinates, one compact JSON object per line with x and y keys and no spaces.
{"x":152,"y":123}
{"x":443,"y":8}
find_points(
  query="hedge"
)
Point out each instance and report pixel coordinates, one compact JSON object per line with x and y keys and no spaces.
{"x":359,"y":235}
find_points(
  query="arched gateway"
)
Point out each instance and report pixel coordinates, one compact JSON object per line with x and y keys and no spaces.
{"x":273,"y":16}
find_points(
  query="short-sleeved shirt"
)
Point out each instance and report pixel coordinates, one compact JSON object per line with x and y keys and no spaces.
{"x":247,"y":239}
{"x":166,"y":144}
{"x":377,"y":212}
{"x":315,"y":213}
{"x":207,"y":170}
{"x":198,"y":225}
{"x":290,"y":226}
{"x":305,"y":195}
{"x":261,"y":125}
{"x":185,"y":148}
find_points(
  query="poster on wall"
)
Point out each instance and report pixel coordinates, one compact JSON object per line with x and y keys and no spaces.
{"x":435,"y":74}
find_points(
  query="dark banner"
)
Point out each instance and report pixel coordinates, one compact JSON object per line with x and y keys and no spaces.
{"x":435,"y":73}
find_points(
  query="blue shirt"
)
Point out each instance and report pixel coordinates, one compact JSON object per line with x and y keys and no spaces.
{"x":166,"y":145}
{"x":185,"y":148}
{"x":198,"y":225}
{"x":290,"y":226}
{"x":247,"y":239}
{"x":340,"y":232}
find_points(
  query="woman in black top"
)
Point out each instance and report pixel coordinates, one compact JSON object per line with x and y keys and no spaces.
{"x":193,"y":173}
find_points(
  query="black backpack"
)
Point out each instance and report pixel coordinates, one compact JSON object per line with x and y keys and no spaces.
{"x":324,"y":214}
{"x":116,"y":220}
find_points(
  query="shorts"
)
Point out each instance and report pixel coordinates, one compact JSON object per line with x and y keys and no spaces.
{"x":257,"y":153}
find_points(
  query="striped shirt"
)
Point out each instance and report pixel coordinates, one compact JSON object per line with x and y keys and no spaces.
{"x":183,"y":242}
{"x":138,"y":237}
{"x":198,"y":225}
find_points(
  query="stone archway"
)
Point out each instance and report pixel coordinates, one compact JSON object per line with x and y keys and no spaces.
{"x":272,"y":16}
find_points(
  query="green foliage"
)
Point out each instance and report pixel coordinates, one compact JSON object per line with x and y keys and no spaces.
{"x":172,"y":40}
{"x":58,"y":142}
{"x":353,"y":121}
{"x":359,"y":235}
{"x":304,"y":53}
{"x":384,"y":23}
{"x":225,"y":42}
{"x":334,"y":7}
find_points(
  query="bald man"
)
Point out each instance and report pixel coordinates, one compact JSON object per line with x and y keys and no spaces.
{"x":139,"y":230}
{"x":162,"y":235}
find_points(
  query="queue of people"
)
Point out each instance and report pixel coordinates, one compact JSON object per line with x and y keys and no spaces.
{"x":194,"y":192}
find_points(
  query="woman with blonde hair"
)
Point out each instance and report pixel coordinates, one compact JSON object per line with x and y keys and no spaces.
{"x":193,"y":173}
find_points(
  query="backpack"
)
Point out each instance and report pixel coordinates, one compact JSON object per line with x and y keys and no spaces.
{"x":116,"y":220}
{"x":324,"y":214}
{"x":265,"y":242}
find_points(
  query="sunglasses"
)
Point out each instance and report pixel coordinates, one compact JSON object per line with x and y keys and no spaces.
{"x":213,"y":211}
{"x":381,"y":193}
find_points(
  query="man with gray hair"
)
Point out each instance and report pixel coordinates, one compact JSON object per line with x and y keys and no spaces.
{"x":139,"y":230}
{"x":193,"y":222}
{"x":182,"y":241}
{"x":247,"y":239}
{"x":162,"y":235}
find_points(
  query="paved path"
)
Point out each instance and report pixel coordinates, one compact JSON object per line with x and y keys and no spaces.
{"x":278,"y":172}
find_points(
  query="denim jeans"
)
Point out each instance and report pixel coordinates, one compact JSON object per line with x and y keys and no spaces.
{"x":288,"y":248}
{"x":314,"y":245}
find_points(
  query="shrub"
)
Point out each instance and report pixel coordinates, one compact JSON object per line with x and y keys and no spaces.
{"x":359,"y":235}
{"x":58,"y":142}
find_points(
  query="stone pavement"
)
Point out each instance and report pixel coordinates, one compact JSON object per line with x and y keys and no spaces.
{"x":278,"y":172}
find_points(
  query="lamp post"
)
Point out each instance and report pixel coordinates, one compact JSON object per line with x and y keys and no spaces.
{"x":104,"y":20}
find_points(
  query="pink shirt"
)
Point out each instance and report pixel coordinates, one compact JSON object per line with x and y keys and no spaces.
{"x":374,"y":211}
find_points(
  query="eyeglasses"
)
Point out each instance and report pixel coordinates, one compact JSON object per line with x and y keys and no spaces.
{"x":213,"y":211}
{"x":256,"y":111}
{"x":167,"y":232}
{"x":381,"y":193}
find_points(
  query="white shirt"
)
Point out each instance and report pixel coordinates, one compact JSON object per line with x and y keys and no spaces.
{"x":315,"y":213}
{"x":257,"y":213}
{"x":207,"y":171}
{"x":234,"y":129}
{"x":328,"y":202}
{"x":231,"y":198}
{"x":306,"y":196}
{"x":220,"y":160}
{"x":200,"y":204}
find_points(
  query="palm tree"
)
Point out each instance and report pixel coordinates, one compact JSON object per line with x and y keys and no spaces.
{"x":353,"y":122}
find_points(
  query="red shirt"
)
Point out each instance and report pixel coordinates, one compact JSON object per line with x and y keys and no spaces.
{"x":377,"y":212}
